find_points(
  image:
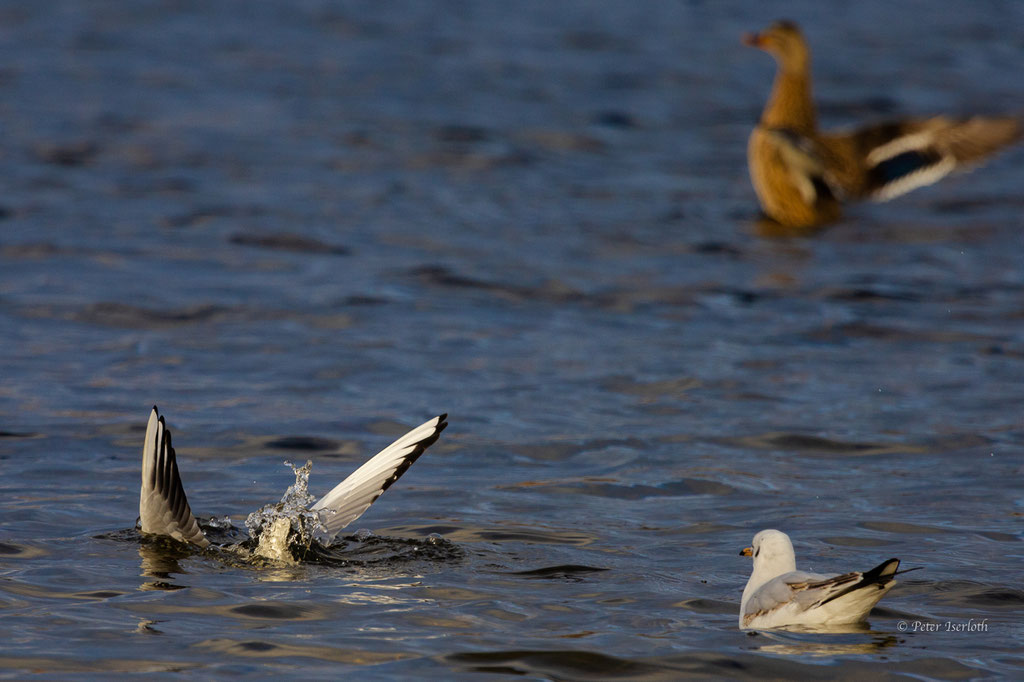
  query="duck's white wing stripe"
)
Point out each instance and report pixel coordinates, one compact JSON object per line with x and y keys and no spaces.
{"x":163,"y":507}
{"x":924,"y":176}
{"x":353,"y":496}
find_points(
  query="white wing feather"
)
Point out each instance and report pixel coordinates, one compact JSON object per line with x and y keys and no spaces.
{"x":163,"y":507}
{"x":353,"y":496}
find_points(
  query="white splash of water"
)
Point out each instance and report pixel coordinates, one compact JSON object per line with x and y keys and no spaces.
{"x":290,"y":525}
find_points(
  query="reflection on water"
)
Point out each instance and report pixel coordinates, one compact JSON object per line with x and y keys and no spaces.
{"x":273,"y":651}
{"x":390,"y":595}
{"x":148,"y":627}
{"x":10,"y":550}
{"x":509,"y":531}
{"x":825,"y":641}
{"x":160,"y":563}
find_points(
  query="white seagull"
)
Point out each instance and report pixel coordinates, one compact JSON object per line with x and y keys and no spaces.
{"x":164,"y":510}
{"x":778,"y":595}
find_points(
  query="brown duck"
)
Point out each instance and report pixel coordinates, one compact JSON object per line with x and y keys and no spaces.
{"x":801,"y":174}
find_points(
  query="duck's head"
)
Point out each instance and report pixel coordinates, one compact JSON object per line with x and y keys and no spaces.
{"x":784,"y":41}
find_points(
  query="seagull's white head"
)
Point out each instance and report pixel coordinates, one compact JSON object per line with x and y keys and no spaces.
{"x":773,"y":550}
{"x":773,"y":556}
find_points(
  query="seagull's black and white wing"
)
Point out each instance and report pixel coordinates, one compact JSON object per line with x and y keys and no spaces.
{"x":355,"y":494}
{"x":163,"y":508}
{"x":846,"y":585}
{"x":807,"y":598}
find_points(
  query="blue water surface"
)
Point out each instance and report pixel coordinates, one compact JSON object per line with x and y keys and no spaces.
{"x":303,"y":227}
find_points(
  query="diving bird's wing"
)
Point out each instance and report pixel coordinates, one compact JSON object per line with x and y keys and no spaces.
{"x":163,"y":508}
{"x":353,"y":496}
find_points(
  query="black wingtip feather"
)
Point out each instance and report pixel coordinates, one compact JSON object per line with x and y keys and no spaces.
{"x":879,"y":576}
{"x":908,"y":570}
{"x":411,"y":458}
{"x":881,"y":572}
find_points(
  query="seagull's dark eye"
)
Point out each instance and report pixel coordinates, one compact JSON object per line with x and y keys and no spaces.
{"x":756,"y":552}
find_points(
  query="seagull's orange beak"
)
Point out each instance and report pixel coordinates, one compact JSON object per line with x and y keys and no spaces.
{"x":747,"y":551}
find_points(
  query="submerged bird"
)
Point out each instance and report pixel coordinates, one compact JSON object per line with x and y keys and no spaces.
{"x":778,"y":595}
{"x":164,"y":509}
{"x":801,"y":174}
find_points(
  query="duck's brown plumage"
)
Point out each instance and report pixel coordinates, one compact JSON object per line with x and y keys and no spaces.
{"x":801,"y":174}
